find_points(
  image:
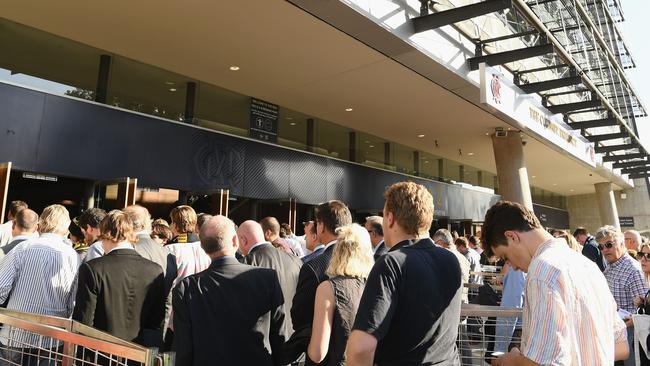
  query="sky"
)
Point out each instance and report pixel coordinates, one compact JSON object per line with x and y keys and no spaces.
{"x":636,"y":33}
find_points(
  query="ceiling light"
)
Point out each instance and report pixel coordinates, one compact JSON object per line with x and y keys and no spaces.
{"x":426,"y":161}
{"x":534,"y":176}
{"x":349,"y":109}
{"x":234,"y":68}
{"x":371,"y":146}
{"x":172,"y":89}
{"x":470,"y":153}
{"x":420,"y":136}
{"x":293,"y":123}
{"x":487,"y":134}
{"x":554,"y":184}
{"x":367,"y":142}
{"x":289,"y":118}
{"x":169,"y":83}
{"x":571,"y":190}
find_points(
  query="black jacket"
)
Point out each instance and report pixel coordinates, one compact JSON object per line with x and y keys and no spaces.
{"x":287,"y":267}
{"x":591,"y":251}
{"x":381,"y":250}
{"x":123,"y":294}
{"x":311,"y":275}
{"x":229,"y":314}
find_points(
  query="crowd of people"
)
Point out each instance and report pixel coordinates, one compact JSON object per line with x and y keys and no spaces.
{"x":384,"y":292}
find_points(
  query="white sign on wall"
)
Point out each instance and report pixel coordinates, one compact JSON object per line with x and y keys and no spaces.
{"x":527,"y":112}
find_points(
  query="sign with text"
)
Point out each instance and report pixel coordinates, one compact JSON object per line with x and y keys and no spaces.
{"x":626,"y":221}
{"x":527,"y":111}
{"x":264,"y":120}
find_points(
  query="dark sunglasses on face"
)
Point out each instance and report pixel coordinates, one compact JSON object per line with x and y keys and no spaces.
{"x":607,"y":245}
{"x":643,"y":255}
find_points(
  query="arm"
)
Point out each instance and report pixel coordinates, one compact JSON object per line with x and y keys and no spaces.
{"x":277,"y":331}
{"x":322,"y":325}
{"x":636,"y":285}
{"x":303,"y":300}
{"x":361,"y":349}
{"x":183,"y":344}
{"x":514,"y":358}
{"x":621,"y":351}
{"x":86,"y":300}
{"x":9,"y":268}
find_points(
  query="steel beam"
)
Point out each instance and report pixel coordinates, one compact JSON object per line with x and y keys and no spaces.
{"x":455,"y":15}
{"x":552,"y":67}
{"x":629,"y":164}
{"x":607,"y":136}
{"x":640,"y":175}
{"x":550,"y":84}
{"x":624,"y":157}
{"x":510,"y":56}
{"x":510,"y":36}
{"x":593,"y":123}
{"x":606,"y":149}
{"x":568,"y":107}
{"x":635,"y":169}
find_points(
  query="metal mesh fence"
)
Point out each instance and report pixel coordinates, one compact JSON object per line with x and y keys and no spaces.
{"x":37,"y":340}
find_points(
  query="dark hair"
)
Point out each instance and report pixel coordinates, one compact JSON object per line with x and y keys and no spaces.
{"x":474,"y":240}
{"x":377,"y":228}
{"x":462,"y":241}
{"x":286,"y":228}
{"x":504,"y":216}
{"x":16,"y":206}
{"x":333,"y":215}
{"x":581,"y":231}
{"x":75,"y":231}
{"x":92,"y":217}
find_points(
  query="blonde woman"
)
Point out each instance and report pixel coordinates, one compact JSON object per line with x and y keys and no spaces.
{"x":337,"y":299}
{"x":570,"y":240}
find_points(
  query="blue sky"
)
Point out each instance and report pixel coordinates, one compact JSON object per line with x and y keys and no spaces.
{"x":636,"y":32}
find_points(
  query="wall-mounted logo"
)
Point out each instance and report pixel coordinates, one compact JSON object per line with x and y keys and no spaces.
{"x":219,"y":165}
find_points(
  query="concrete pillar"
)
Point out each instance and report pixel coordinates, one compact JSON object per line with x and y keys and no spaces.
{"x":511,"y":168}
{"x":607,"y":204}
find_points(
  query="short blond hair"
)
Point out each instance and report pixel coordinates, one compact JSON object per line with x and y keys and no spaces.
{"x":412,"y":206}
{"x":117,"y":226}
{"x":184,"y":217}
{"x":352,"y":254}
{"x":54,"y":219}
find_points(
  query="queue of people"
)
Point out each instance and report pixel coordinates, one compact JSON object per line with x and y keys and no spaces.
{"x":381,"y":293}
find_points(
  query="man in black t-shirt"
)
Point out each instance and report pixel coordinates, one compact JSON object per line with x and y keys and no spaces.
{"x":410,"y":308}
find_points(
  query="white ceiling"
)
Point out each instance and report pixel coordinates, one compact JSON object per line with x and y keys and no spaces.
{"x":291,"y":58}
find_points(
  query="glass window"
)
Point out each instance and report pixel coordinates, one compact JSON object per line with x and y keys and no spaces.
{"x":222,"y":110}
{"x":332,"y":140}
{"x":372,"y":151}
{"x":146,"y":89}
{"x":43,"y":61}
{"x":429,"y":166}
{"x":403,"y":159}
{"x":292,"y":128}
{"x":452,"y":170}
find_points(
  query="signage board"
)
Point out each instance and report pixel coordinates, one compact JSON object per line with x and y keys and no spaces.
{"x":626,"y":221}
{"x":264,"y":120}
{"x":527,"y":112}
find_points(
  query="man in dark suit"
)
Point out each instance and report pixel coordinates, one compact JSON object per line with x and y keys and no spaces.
{"x":121,"y":293}
{"x":590,"y":247}
{"x":231,"y":313}
{"x":329,"y":216}
{"x":375,"y":229}
{"x":260,"y":253}
{"x":311,"y":242}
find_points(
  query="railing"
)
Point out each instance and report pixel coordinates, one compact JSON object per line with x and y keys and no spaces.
{"x":32,"y":339}
{"x":484,"y":332}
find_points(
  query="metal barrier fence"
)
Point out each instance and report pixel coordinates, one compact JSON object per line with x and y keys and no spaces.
{"x":37,"y":340}
{"x":485,"y":332}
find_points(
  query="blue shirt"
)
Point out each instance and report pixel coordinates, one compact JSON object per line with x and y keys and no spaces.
{"x":513,"y":297}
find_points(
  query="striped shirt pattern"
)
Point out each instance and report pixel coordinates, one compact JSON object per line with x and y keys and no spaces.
{"x":570,"y":317}
{"x":40,"y":274}
{"x":625,"y":280}
{"x":190,"y":259}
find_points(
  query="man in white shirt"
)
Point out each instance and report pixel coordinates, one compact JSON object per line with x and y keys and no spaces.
{"x":24,"y":227}
{"x":375,"y":229}
{"x":6,"y":228}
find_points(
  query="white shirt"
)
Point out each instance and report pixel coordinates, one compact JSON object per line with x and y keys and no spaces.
{"x":374,"y":249}
{"x":41,"y":276}
{"x":5,"y":233}
{"x":96,"y":250}
{"x":330,"y":244}
{"x":122,"y":245}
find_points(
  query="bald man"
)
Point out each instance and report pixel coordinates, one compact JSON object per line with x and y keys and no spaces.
{"x":632,"y":240}
{"x":231,"y":313}
{"x":24,"y":226}
{"x":260,"y":253}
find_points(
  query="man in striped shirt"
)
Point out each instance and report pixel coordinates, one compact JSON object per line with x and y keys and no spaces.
{"x":570,"y":317}
{"x":39,"y":276}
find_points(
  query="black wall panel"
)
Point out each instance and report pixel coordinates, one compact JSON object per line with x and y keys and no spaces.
{"x":64,"y":136}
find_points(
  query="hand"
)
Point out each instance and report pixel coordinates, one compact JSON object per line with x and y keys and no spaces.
{"x":509,"y":358}
{"x":638,"y":301}
{"x":628,"y":322}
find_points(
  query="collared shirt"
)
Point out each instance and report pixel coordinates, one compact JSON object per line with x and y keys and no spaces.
{"x":569,"y":315}
{"x":374,"y":249}
{"x":257,"y":245}
{"x":40,"y":274}
{"x":96,"y":250}
{"x":190,"y":259}
{"x":330,"y":244}
{"x":474,"y":265}
{"x":122,"y":245}
{"x":318,"y":247}
{"x":625,"y":280}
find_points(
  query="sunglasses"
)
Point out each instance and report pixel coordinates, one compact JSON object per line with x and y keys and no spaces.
{"x":607,"y":245}
{"x":643,"y":255}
